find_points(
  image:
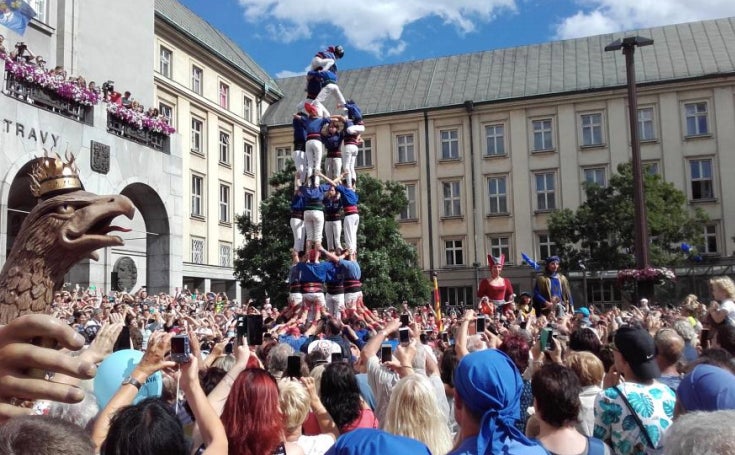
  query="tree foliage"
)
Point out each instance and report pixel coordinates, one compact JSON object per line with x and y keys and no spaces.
{"x":390,"y":272}
{"x":601,"y":231}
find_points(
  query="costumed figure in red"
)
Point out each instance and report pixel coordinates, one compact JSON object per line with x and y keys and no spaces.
{"x":494,"y":291}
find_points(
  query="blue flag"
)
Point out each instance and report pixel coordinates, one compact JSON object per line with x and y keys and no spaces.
{"x":15,"y":15}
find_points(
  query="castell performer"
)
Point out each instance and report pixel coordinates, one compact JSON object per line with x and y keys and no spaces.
{"x":325,"y":59}
{"x":351,"y":219}
{"x":351,"y":140}
{"x":347,"y":264}
{"x":333,"y":220}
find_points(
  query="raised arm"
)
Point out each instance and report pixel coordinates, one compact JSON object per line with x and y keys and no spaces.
{"x":373,"y":345}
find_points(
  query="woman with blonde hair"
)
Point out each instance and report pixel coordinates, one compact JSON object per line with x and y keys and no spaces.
{"x":296,"y":399}
{"x":590,"y":371}
{"x":413,"y":411}
{"x":722,"y":308}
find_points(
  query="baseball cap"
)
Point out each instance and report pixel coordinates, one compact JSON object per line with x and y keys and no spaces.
{"x":325,"y":347}
{"x":638,"y":348}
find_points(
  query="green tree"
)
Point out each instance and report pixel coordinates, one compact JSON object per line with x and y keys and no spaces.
{"x":601,"y":231}
{"x":389,"y":267}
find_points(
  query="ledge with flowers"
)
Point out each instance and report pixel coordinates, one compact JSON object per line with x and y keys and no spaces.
{"x":140,"y":120}
{"x":53,"y":83}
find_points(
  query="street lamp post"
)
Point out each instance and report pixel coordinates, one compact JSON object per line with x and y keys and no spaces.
{"x":628,"y":46}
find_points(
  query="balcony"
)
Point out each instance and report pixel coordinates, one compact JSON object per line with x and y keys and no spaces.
{"x":46,"y":99}
{"x":155,"y":140}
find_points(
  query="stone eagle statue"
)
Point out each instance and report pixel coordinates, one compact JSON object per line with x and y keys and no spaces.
{"x":67,"y":225}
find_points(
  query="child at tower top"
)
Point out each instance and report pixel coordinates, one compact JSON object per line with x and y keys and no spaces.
{"x":326,"y":59}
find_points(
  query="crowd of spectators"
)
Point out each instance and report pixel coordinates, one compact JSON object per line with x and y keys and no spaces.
{"x":623,"y":381}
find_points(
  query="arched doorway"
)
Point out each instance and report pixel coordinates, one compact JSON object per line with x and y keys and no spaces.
{"x":157,"y":236}
{"x":20,"y":202}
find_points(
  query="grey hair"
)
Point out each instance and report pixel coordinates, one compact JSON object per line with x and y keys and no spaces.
{"x":684,"y":328}
{"x":80,"y":414}
{"x":224,"y":362}
{"x":475,"y":343}
{"x":277,"y":360}
{"x":703,"y":433}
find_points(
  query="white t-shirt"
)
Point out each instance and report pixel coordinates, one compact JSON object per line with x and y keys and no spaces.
{"x":315,"y":445}
{"x":729,"y":306}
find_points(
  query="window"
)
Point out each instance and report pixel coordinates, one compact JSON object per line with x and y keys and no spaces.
{"x":595,"y":176}
{"x":450,"y":144}
{"x":646,"y":127}
{"x":224,"y":203}
{"x":409,"y":212}
{"x":451,"y":198}
{"x":696,"y":119}
{"x":224,"y":147}
{"x":224,"y":95}
{"x":166,"y":111}
{"x":497,"y":191}
{"x":248,"y":205}
{"x":456,"y":297}
{"x":225,"y":254}
{"x":710,"y":239}
{"x":247,"y":110}
{"x":283,"y":154}
{"x":197,"y":195}
{"x":39,"y":6}
{"x":495,"y":135}
{"x":500,"y":245}
{"x":197,"y":142}
{"x":591,"y":129}
{"x":165,"y":62}
{"x":404,"y":143}
{"x":546,"y":247}
{"x":247,"y":154}
{"x":453,"y":251}
{"x":197,"y":250}
{"x":603,"y":291}
{"x":196,"y":79}
{"x":701,"y":175}
{"x":542,"y":135}
{"x":365,"y":154}
{"x":545,"y":192}
{"x":651,"y":167}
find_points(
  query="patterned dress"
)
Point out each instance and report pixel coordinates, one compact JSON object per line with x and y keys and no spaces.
{"x":654,"y":405}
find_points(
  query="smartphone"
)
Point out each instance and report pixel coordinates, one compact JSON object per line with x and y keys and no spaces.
{"x":403,"y":335}
{"x":445,"y":337}
{"x":228,"y":347}
{"x":123,"y":340}
{"x":180,"y":349}
{"x":545,"y":338}
{"x":337,"y":357}
{"x":480,"y":322}
{"x":386,"y":353}
{"x":293,"y":369}
{"x":241,"y":329}
{"x":404,"y":320}
{"x":254,"y":324}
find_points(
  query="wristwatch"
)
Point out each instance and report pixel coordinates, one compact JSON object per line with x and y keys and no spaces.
{"x":132,"y":381}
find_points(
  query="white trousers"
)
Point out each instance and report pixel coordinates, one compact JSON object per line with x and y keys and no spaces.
{"x":314,"y":225}
{"x":350,"y":223}
{"x":333,"y":231}
{"x":297,"y":229}
{"x":314,"y":151}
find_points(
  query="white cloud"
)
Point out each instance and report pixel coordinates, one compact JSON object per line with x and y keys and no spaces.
{"x":606,"y":16}
{"x":286,"y":73}
{"x":374,"y":26}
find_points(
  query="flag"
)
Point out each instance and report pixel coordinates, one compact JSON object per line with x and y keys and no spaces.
{"x":15,"y":15}
{"x":533,"y":264}
{"x":437,"y":303}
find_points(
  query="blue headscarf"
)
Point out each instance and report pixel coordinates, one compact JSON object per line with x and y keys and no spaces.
{"x":707,"y":388}
{"x":490,"y":386}
{"x":367,"y":441}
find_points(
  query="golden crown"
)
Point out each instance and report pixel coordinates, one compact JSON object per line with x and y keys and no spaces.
{"x":52,"y":175}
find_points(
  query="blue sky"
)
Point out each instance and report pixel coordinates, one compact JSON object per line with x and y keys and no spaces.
{"x":283,"y":35}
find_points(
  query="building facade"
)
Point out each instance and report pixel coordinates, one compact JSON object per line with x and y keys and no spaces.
{"x":215,"y":95}
{"x":489,"y":144}
{"x":84,"y":37}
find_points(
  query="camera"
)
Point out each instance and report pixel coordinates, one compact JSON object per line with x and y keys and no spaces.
{"x":108,"y":86}
{"x":180,"y":349}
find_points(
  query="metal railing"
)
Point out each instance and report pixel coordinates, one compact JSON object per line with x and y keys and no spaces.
{"x":156,"y":141}
{"x":46,"y":99}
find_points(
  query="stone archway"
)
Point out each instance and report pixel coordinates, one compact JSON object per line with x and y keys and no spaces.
{"x":158,"y":236}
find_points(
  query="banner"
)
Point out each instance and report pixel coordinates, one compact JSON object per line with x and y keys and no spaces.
{"x":15,"y":15}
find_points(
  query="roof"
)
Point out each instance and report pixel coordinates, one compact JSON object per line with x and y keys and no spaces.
{"x":209,"y":37}
{"x":682,"y":51}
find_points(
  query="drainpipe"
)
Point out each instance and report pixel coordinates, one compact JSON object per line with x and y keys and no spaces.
{"x":469,"y":105}
{"x":263,"y":145}
{"x":429,"y":215}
